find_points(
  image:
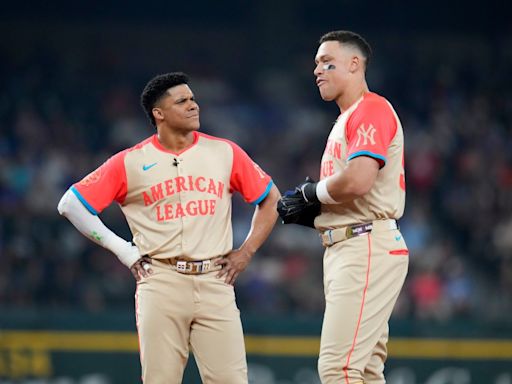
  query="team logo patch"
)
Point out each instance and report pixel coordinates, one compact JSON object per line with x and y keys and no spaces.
{"x":91,"y":178}
{"x":365,"y":134}
{"x":148,"y":166}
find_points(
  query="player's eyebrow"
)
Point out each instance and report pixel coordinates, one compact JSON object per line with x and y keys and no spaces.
{"x":184,"y":98}
{"x":323,"y":57}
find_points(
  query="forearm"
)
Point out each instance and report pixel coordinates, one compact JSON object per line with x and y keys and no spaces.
{"x":341,"y":187}
{"x":263,"y":220}
{"x":92,"y":227}
{"x":354,"y":181}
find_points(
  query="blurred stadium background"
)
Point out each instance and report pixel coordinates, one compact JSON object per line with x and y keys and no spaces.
{"x":70,"y":78}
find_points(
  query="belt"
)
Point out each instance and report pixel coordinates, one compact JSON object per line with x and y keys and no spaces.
{"x":333,"y":236}
{"x":193,"y":267}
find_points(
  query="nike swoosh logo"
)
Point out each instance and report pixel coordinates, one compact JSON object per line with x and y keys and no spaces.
{"x":146,"y":167}
{"x":397,"y":238}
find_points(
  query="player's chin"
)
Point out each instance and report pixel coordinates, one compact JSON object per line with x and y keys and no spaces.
{"x":326,"y":96}
{"x":194,"y":125}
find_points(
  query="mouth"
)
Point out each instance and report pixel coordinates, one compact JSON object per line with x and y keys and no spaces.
{"x":319,"y":82}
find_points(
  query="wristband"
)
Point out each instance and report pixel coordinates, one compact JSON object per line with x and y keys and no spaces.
{"x":322,"y":194}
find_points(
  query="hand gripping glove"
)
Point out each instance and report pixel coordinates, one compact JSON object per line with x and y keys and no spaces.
{"x":294,"y":208}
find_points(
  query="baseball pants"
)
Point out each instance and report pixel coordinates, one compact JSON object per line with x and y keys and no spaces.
{"x":362,"y":279}
{"x":175,"y":311}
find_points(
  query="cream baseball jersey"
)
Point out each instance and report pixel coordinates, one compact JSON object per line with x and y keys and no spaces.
{"x":371,"y":128}
{"x":176,"y":204}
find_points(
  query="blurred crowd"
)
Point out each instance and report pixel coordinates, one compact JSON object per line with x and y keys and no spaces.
{"x":60,"y":119}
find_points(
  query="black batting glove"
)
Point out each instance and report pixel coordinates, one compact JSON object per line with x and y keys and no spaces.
{"x":308,"y":190}
{"x":295,"y":208}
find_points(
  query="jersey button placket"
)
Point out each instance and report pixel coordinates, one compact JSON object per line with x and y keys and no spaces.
{"x":177,"y":162}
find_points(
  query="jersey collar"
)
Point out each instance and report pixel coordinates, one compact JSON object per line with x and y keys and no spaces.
{"x":159,"y":146}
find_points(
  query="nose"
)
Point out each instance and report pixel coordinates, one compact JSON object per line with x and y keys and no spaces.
{"x":193,"y":105}
{"x":318,"y":69}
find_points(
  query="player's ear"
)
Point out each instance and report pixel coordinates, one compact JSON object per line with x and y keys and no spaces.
{"x":157,"y":114}
{"x":355,"y":63}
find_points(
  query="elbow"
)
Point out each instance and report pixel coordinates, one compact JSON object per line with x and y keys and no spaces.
{"x":362,"y":190}
{"x":359,"y":188}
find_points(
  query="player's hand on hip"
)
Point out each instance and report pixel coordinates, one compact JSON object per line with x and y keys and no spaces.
{"x":233,"y":264}
{"x":141,"y":268}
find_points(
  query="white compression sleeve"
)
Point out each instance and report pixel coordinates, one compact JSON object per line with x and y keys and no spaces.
{"x":92,"y":227}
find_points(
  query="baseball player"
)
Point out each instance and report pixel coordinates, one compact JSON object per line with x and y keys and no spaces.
{"x":175,"y":190}
{"x":357,"y":202}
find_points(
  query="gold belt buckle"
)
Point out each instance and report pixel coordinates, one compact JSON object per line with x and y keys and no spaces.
{"x":349,"y":232}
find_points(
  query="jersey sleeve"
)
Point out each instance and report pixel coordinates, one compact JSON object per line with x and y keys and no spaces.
{"x":369,"y":131}
{"x":104,"y":185}
{"x":248,"y":178}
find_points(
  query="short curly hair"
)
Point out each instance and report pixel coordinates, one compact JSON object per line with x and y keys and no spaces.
{"x":156,"y":88}
{"x":350,"y":38}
